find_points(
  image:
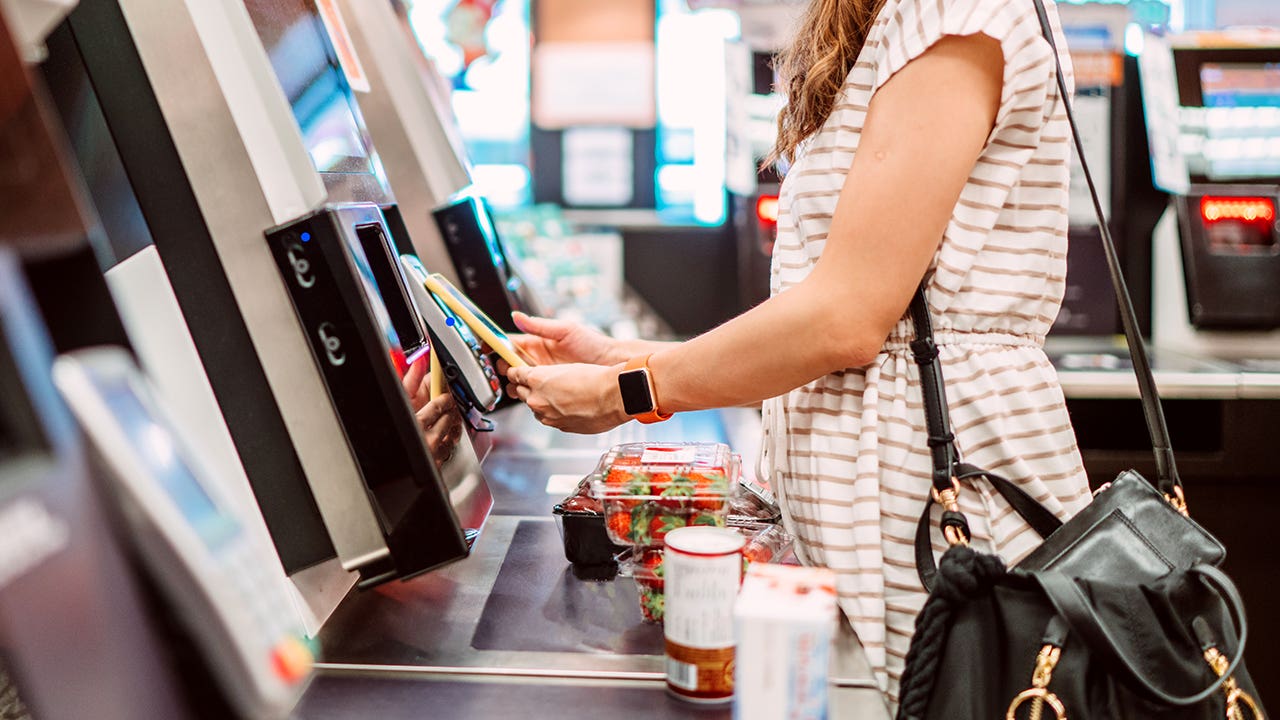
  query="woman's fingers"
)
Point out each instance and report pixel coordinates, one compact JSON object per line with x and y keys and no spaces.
{"x":522,"y":392}
{"x":519,"y":375}
{"x":542,"y":327}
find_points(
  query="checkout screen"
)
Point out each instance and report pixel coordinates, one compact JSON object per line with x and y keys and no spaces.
{"x":1240,"y":84}
{"x":295,"y":39}
{"x":369,"y":285}
{"x":154,"y":444}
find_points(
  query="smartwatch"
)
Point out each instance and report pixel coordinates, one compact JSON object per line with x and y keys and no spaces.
{"x":639,"y":398}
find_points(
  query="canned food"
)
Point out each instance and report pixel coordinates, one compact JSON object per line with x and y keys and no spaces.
{"x":702,"y":571}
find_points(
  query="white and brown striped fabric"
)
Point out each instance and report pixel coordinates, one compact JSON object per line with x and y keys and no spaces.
{"x":847,"y":453}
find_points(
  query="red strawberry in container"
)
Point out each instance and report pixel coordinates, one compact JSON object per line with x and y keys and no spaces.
{"x":710,"y":491}
{"x":652,"y":605}
{"x":619,"y":526}
{"x":706,"y":518}
{"x":648,"y":575}
{"x":662,"y":524}
{"x":648,"y":571}
{"x":677,"y":492}
{"x":755,"y":552}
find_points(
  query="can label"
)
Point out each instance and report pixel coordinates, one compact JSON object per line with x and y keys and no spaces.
{"x":701,"y":588}
{"x":700,"y":674}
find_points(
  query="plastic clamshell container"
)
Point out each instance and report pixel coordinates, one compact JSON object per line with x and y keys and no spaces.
{"x":644,"y":565}
{"x":584,"y":536}
{"x":580,"y":519}
{"x":649,"y":489}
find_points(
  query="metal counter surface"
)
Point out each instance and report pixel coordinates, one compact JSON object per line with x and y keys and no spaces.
{"x":1100,"y":368}
{"x":512,"y":627}
{"x":469,"y":697}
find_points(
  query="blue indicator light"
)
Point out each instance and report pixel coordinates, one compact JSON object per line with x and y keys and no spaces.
{"x":306,"y":237}
{"x":448,"y":321}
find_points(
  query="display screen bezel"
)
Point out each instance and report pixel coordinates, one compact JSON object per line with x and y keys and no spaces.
{"x":393,"y":295}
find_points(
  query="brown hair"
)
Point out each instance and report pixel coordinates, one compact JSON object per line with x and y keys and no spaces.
{"x":813,"y":68}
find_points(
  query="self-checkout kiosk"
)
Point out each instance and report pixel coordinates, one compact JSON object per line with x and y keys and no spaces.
{"x":132,"y":584}
{"x":76,"y":634}
{"x":1213,"y":115}
{"x":256,"y":189}
{"x":129,"y":586}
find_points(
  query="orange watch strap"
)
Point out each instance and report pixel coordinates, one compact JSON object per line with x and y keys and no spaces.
{"x":655,"y":415}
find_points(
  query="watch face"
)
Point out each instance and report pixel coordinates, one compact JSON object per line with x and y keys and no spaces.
{"x":636,"y":399}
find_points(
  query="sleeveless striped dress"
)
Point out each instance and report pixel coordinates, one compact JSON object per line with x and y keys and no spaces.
{"x":847,"y":453}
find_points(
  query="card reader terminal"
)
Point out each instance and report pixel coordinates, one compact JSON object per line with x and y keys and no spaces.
{"x":472,"y":377}
{"x":216,"y":575}
{"x":481,"y":324}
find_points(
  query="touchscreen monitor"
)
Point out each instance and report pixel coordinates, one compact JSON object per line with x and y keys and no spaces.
{"x":392,"y":292}
{"x":373,"y":293}
{"x":1237,"y":84}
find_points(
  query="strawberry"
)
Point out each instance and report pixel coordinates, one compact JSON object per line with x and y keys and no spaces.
{"x":641,"y":519}
{"x":619,"y":525}
{"x":711,"y":491}
{"x":675,"y":496}
{"x":652,"y":605}
{"x":649,"y":573}
{"x":757,"y":552}
{"x":664,"y":523}
{"x":704,"y":518}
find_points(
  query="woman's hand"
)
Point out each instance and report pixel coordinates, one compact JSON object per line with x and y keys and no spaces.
{"x":552,"y":342}
{"x":441,"y":427}
{"x":577,"y":398}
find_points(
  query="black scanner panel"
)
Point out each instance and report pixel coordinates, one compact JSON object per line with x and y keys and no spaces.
{"x":352,"y":342}
{"x":1231,"y":264}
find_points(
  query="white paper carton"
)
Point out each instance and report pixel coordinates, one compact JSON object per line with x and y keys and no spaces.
{"x":784,"y":622}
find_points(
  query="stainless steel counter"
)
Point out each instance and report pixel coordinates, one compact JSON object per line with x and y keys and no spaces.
{"x":513,"y":627}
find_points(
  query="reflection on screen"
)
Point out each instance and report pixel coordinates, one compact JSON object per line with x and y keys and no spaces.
{"x":297,"y":44}
{"x":1240,"y":84}
{"x":395,"y":296}
{"x":369,"y":285}
{"x":154,"y":443}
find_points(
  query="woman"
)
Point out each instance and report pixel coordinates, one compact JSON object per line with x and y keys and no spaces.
{"x":928,"y":141}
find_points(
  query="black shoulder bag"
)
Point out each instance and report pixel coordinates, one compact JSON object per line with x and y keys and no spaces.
{"x":1121,"y":612}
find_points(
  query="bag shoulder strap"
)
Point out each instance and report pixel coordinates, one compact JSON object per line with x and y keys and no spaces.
{"x":924,"y":349}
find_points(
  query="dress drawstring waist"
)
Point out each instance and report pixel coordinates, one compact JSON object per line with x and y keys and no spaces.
{"x":897,"y":344}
